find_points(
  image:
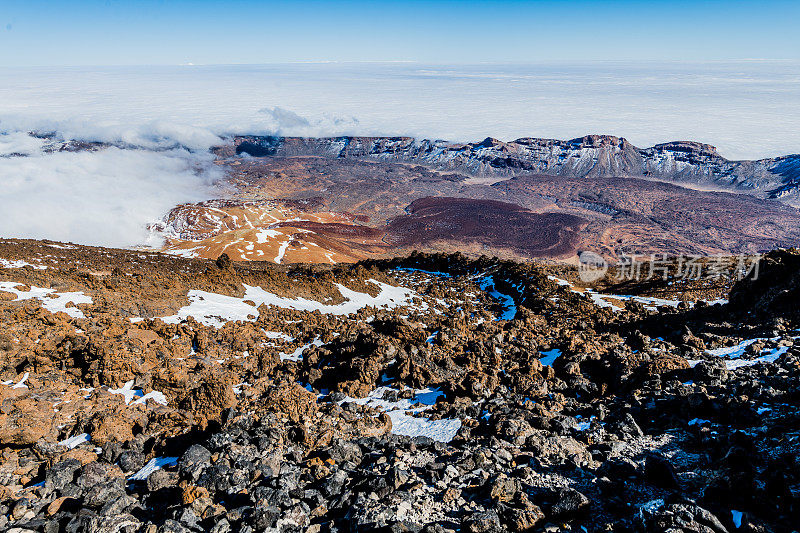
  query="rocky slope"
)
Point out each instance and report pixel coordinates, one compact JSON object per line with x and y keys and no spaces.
{"x":148,"y":393}
{"x":684,"y":162}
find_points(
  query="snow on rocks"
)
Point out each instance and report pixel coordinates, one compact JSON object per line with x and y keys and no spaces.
{"x":486,"y":283}
{"x":549,"y":357}
{"x":154,"y":464}
{"x":237,"y":389}
{"x":649,"y":302}
{"x":53,"y":301}
{"x":441,"y":430}
{"x":277,"y":335}
{"x":584,"y":425}
{"x":608,"y":300}
{"x":20,"y":384}
{"x":298,"y":353}
{"x":401,"y":413}
{"x":428,"y":272}
{"x":216,"y":310}
{"x":559,"y":281}
{"x":136,"y":396}
{"x":127,"y":391}
{"x":155,"y":396}
{"x":8,"y":263}
{"x":768,"y":356}
{"x":187,"y":253}
{"x":388,"y":298}
{"x":212,"y":309}
{"x":75,"y":441}
{"x":734,"y":354}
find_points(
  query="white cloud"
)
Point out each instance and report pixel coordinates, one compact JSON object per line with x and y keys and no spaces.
{"x":103,"y":198}
{"x":20,"y":143}
{"x":747,"y":109}
{"x":153,"y":134}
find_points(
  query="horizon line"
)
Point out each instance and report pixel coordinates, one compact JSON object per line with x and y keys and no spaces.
{"x":417,"y":62}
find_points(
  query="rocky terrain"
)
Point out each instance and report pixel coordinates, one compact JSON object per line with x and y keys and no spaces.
{"x":143,"y":392}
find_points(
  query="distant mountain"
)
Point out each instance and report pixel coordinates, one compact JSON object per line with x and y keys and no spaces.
{"x":687,"y":163}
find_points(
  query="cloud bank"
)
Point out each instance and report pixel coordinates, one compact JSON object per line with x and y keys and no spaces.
{"x":102,"y":198}
{"x":747,"y":109}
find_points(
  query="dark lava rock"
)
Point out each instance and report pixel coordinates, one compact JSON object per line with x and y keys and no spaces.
{"x":61,"y":474}
{"x":131,"y":461}
{"x":773,"y":289}
{"x":569,"y":502}
{"x":482,"y":522}
{"x":660,"y":472}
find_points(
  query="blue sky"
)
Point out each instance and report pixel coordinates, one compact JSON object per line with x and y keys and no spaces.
{"x":112,"y":32}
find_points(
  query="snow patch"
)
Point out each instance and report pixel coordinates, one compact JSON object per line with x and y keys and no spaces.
{"x":510,"y":307}
{"x":8,"y":263}
{"x":155,"y":395}
{"x":735,"y":352}
{"x":53,"y":301}
{"x":298,"y":353}
{"x":732,"y":352}
{"x":137,"y":396}
{"x":549,"y":357}
{"x":154,"y":464}
{"x":281,"y":252}
{"x":278,"y":335}
{"x":736,"y":516}
{"x":400,"y":412}
{"x":265,"y":235}
{"x":216,"y":310}
{"x":75,"y":441}
{"x":126,"y":391}
{"x":429,"y":272}
{"x":188,"y":253}
{"x":20,"y":384}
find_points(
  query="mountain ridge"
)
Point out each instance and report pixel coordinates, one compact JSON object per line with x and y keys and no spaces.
{"x":680,"y":162}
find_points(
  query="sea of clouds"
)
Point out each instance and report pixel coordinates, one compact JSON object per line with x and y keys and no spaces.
{"x":166,"y":118}
{"x":104,"y":198}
